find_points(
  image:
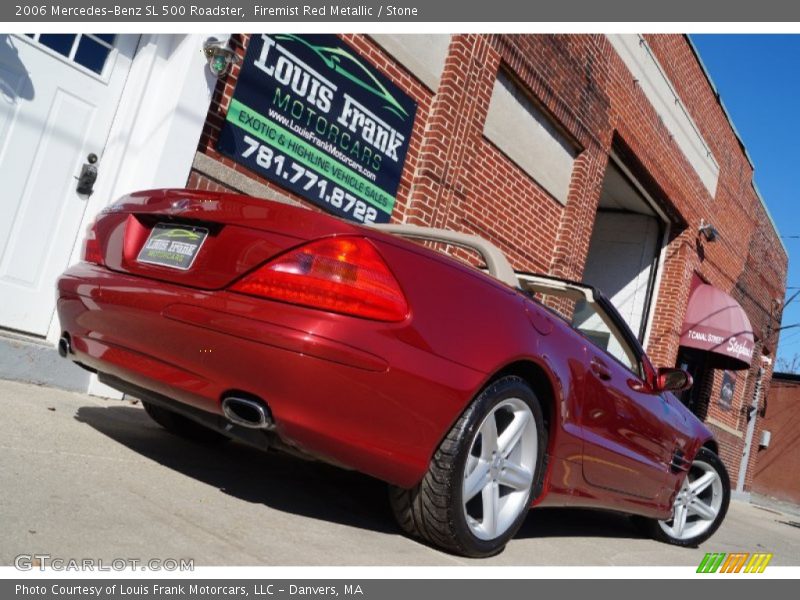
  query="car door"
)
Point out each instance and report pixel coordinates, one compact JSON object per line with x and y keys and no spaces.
{"x":630,"y":432}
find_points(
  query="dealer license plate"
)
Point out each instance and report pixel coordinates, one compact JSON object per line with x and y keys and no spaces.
{"x":172,"y":246}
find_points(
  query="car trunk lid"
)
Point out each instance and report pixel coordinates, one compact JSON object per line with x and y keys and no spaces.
{"x":220,"y":236}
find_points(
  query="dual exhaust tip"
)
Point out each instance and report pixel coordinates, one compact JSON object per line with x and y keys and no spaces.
{"x":247,"y":413}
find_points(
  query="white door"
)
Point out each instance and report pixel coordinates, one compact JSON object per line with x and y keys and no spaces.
{"x":58,"y":97}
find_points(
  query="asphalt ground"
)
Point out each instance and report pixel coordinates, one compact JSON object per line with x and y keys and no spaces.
{"x":86,"y":477}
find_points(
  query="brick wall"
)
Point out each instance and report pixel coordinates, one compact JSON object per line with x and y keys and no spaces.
{"x":456,"y":178}
{"x":775,"y":474}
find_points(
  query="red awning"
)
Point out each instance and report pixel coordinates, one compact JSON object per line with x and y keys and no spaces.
{"x":717,"y":323}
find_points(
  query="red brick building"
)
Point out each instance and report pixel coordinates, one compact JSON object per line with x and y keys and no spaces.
{"x":778,"y":463}
{"x":588,"y":157}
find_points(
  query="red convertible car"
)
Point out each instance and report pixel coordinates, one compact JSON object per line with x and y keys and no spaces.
{"x":476,"y":393}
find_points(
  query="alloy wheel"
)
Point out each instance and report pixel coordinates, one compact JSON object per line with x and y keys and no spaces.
{"x":499,"y":470}
{"x":697,"y":504}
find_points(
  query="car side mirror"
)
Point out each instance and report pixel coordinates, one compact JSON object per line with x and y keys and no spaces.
{"x":672,"y":380}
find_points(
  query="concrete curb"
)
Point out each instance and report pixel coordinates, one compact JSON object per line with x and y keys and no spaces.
{"x":33,"y":361}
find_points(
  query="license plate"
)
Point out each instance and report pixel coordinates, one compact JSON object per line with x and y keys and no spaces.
{"x":172,"y":246}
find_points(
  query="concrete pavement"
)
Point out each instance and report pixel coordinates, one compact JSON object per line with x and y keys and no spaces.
{"x":88,"y":477}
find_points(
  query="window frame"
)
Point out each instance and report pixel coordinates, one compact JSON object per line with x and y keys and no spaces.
{"x":605,"y":310}
{"x":108,"y":65}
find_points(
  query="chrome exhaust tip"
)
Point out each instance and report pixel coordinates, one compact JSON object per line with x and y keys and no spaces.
{"x":64,"y":346}
{"x":246,"y":412}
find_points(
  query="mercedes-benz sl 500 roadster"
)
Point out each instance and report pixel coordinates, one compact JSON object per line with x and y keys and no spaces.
{"x":476,"y":392}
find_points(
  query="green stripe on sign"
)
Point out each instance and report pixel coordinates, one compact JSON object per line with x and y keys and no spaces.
{"x":304,"y":153}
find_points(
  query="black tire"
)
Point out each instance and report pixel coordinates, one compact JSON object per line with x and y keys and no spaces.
{"x":660,"y":529}
{"x":183,"y":427}
{"x":433,"y":510}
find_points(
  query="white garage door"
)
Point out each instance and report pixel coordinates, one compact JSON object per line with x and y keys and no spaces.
{"x":58,"y":97}
{"x":622,"y":252}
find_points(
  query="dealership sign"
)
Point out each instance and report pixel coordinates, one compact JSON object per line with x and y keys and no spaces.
{"x":312,"y":116}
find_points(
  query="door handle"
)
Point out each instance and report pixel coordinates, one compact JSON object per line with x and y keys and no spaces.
{"x":88,"y":176}
{"x":600,"y":369}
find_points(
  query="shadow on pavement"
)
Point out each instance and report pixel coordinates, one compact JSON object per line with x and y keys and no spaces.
{"x":576,"y":522}
{"x":310,"y":489}
{"x":276,"y":480}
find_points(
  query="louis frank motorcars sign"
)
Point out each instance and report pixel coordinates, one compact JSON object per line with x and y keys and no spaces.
{"x":312,"y":116}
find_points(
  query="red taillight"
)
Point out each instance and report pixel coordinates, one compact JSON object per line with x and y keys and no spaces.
{"x":342,"y":274}
{"x":92,"y":253}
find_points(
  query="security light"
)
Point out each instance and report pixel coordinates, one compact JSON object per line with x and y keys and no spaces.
{"x":708,"y":231}
{"x":219,"y":57}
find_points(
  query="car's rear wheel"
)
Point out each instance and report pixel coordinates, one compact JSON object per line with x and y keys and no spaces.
{"x":181,"y":426}
{"x":701,"y":503}
{"x":479,"y":485}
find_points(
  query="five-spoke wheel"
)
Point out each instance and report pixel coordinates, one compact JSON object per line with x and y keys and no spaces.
{"x":499,"y":470}
{"x":700,"y":505}
{"x":480,"y":482}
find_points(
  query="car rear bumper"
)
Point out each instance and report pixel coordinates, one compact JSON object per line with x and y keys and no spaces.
{"x":353,"y":391}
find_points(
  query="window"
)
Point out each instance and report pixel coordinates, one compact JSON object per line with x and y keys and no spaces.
{"x":89,"y":50}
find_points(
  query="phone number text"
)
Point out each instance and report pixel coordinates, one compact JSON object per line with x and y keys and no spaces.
{"x":313,"y":184}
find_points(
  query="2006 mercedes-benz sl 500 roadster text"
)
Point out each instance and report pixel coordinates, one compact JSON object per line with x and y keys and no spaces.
{"x":475,"y":392}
